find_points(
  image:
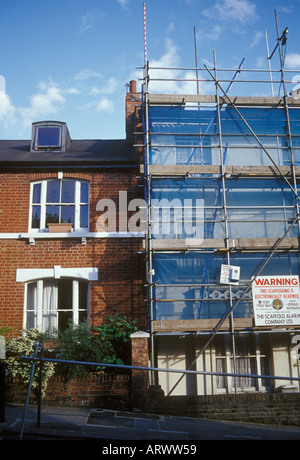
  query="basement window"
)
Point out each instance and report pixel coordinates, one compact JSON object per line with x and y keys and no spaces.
{"x":50,"y":136}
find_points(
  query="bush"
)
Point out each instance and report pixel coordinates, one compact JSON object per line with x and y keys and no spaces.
{"x":108,"y":344}
{"x":24,"y":345}
{"x":116,"y":331}
{"x":5,"y":330}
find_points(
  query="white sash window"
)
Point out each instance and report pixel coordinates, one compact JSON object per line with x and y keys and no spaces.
{"x":59,"y":201}
{"x":52,"y":304}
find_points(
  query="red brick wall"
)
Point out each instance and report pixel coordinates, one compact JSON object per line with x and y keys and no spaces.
{"x":14,"y":202}
{"x":120,"y":287}
{"x":109,"y":391}
{"x":15,"y":194}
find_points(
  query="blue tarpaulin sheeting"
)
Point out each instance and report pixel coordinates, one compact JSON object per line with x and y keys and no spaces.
{"x":187,"y":284}
{"x":194,"y":208}
{"x":190,"y":136}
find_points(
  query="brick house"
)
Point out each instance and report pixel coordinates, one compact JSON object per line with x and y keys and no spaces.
{"x":49,"y":276}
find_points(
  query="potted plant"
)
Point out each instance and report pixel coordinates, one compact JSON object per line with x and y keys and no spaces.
{"x":60,"y":227}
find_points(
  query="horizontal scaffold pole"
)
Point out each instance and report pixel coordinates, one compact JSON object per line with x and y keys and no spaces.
{"x":158,"y":369}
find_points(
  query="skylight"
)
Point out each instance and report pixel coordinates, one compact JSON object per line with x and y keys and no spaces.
{"x":47,"y":136}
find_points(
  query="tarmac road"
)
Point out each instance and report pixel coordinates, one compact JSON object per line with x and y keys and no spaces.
{"x":110,"y":427}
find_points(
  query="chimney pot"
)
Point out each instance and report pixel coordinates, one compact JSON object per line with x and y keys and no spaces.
{"x":133,"y":86}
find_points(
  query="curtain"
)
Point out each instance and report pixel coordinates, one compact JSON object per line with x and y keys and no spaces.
{"x":49,"y":316}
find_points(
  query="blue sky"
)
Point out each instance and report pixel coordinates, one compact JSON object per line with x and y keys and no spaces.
{"x":70,"y":60}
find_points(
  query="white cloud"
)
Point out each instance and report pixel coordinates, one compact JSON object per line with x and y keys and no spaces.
{"x":103,"y":105}
{"x":109,"y":87}
{"x":47,"y":102}
{"x":73,"y":90}
{"x":7,"y":110}
{"x":50,"y":98}
{"x":256,"y":38}
{"x":241,"y":11}
{"x":292,"y":61}
{"x":87,"y":21}
{"x":86,"y":74}
{"x":124,"y":3}
{"x":2,"y":84}
{"x":176,"y":81}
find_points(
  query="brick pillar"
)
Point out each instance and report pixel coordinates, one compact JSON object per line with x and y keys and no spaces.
{"x":140,"y":378}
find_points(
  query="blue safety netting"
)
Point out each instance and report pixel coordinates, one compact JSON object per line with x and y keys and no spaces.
{"x":182,"y":135}
{"x":187,"y":285}
{"x":194,"y":208}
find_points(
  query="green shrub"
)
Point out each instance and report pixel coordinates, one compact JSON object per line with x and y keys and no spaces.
{"x":5,"y":330}
{"x":24,"y":345}
{"x":107,"y":344}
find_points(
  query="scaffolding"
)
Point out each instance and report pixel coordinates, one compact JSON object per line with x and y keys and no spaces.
{"x":230,"y":167}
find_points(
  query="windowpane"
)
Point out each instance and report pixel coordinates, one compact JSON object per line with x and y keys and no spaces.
{"x":52,"y":191}
{"x":65,"y":293}
{"x":36,"y":195}
{"x":84,"y":216}
{"x":36,"y":217}
{"x":48,"y":137}
{"x":83,"y":291}
{"x":67,"y":214}
{"x":64,"y":318}
{"x":84,"y":192}
{"x":31,"y":296}
{"x":82,"y":316}
{"x":52,"y":214}
{"x":68,"y":191}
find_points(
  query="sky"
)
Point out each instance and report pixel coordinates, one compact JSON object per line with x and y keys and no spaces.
{"x":71,"y":60}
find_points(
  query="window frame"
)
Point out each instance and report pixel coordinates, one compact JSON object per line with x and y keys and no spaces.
{"x":43,"y":204}
{"x":64,"y":137}
{"x":39,"y":308}
{"x":258,"y":357}
{"x":44,"y":146}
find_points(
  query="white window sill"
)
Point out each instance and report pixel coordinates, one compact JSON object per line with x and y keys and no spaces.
{"x":72,"y":235}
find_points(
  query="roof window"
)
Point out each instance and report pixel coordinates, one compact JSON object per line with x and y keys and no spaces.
{"x":50,"y":135}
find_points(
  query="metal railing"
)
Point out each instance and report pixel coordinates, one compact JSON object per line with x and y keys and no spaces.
{"x":39,"y":348}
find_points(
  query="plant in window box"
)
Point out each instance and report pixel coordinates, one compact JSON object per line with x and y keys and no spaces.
{"x":62,"y":227}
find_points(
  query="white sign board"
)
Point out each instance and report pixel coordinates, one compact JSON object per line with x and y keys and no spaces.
{"x":230,"y":274}
{"x":276,"y":300}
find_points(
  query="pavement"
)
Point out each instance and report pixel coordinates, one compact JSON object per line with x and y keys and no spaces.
{"x":114,"y":427}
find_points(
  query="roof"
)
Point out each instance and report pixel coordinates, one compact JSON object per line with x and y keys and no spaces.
{"x":114,"y":153}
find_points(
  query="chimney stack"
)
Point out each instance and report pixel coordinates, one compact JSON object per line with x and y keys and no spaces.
{"x":133,"y":103}
{"x":132,"y":86}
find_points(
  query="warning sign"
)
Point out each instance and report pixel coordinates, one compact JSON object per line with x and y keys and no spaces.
{"x":276,"y":300}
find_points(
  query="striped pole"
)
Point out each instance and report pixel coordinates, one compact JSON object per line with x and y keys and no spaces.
{"x":145,"y":35}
